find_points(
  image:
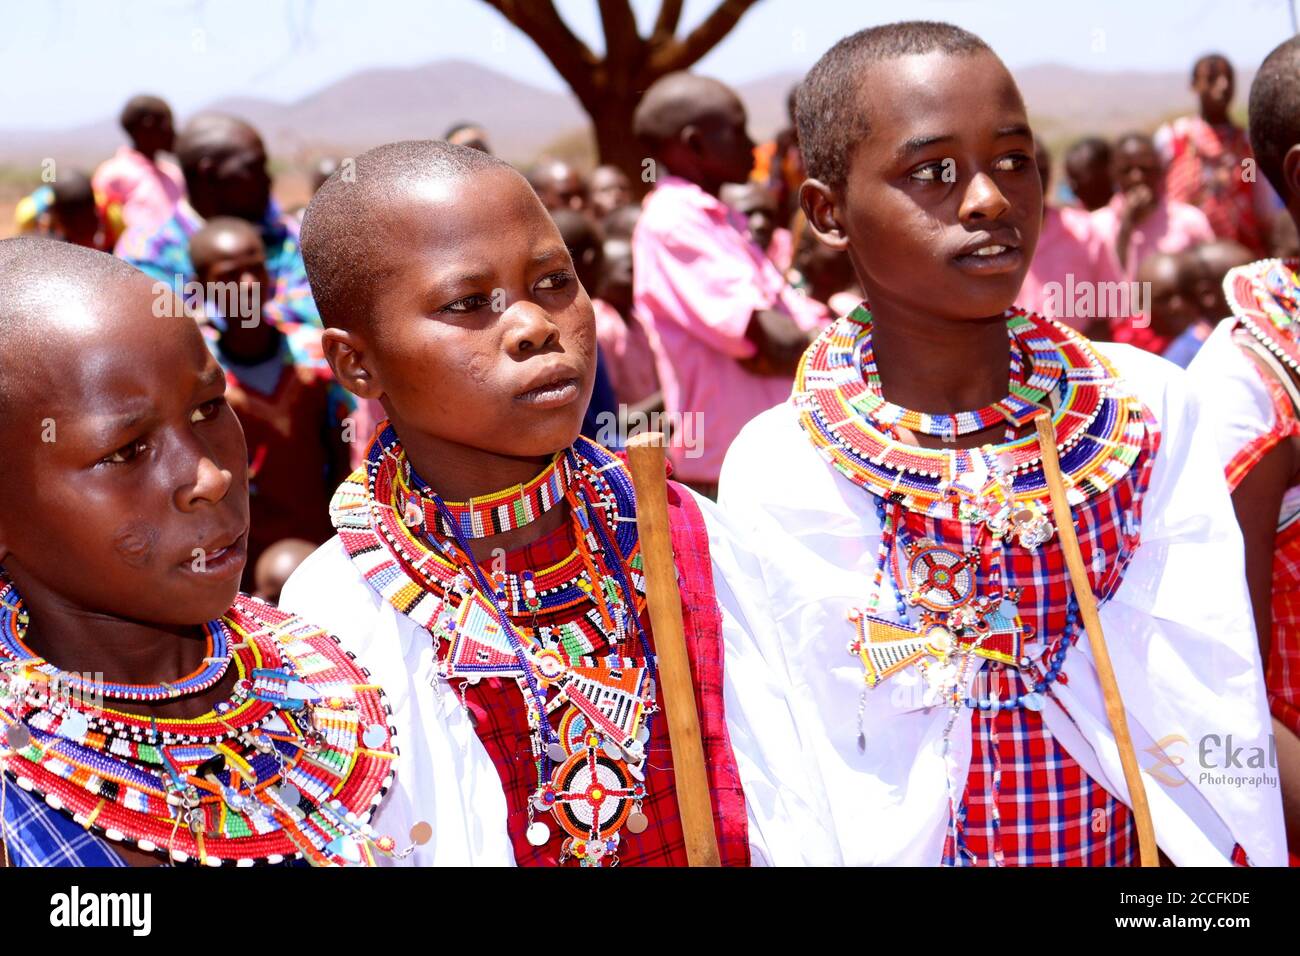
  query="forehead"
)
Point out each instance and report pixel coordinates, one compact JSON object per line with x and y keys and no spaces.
{"x":232,"y":241}
{"x":1136,"y":151}
{"x":937,"y":94}
{"x":482,"y":217}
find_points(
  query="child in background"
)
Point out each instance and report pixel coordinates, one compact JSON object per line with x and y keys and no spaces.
{"x":181,"y":750}
{"x":558,"y":185}
{"x":624,"y":344}
{"x":608,"y":189}
{"x":139,"y":187}
{"x":1088,"y":172}
{"x":825,"y":275}
{"x":1209,"y":163}
{"x":280,"y":387}
{"x":276,"y":566}
{"x":919,"y":616}
{"x":727,"y":327}
{"x":1246,"y":373}
{"x":74,"y":214}
{"x":1175,"y":307}
{"x":757,"y":204}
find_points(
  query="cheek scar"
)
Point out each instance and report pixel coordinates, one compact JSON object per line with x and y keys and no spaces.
{"x":135,"y":544}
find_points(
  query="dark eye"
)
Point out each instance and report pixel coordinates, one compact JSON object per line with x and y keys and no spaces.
{"x":1013,"y":162}
{"x":931,"y":172}
{"x":124,"y":454}
{"x":554,"y":281}
{"x":469,"y":303}
{"x":207,"y":410}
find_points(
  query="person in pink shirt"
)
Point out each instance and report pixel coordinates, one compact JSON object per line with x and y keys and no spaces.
{"x":1070,"y":265}
{"x":726,"y":326}
{"x":1139,"y":220}
{"x":138,"y":187}
{"x":622,"y":336}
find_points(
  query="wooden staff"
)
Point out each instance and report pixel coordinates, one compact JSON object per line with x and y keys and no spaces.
{"x":1137,"y":792}
{"x":645,"y":459}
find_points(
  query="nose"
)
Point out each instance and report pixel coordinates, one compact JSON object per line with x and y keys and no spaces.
{"x":209,"y":484}
{"x":983,"y":200}
{"x":530,"y":329}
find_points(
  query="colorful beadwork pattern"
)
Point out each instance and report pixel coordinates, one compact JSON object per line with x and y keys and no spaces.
{"x":1265,"y":296}
{"x":291,"y":766}
{"x":569,"y":636}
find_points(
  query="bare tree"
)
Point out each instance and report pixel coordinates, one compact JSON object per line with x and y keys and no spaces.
{"x":609,"y":89}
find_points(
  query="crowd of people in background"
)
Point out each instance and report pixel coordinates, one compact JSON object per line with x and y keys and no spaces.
{"x":707,"y":283}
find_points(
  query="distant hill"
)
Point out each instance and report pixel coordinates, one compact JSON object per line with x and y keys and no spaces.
{"x":377,"y":106}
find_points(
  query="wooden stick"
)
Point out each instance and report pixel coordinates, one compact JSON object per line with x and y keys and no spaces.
{"x":645,"y":459}
{"x":1147,"y":850}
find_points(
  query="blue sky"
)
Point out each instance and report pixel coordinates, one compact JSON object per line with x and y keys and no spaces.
{"x":66,"y":62}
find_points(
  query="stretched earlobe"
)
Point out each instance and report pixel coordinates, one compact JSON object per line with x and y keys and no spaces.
{"x":345,"y":352}
{"x":818,"y":204}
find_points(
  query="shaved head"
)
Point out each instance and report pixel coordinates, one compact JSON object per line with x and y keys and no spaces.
{"x":347,"y":227}
{"x":676,"y":101}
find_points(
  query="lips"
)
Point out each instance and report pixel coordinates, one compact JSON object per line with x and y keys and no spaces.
{"x":222,"y":557}
{"x":990,"y":254}
{"x":552,"y":389}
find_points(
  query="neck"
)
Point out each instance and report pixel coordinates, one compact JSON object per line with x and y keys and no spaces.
{"x":1215,"y":117}
{"x":940,"y":365}
{"x":458,"y":473}
{"x":250,"y":345}
{"x":75,"y":639}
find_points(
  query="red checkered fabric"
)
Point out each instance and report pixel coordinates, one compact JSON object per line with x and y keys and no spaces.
{"x":1026,"y":802}
{"x":501,"y":722}
{"x":1206,"y":171}
{"x":1282,"y":669}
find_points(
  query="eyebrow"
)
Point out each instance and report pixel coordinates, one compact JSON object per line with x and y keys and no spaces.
{"x":918,"y":143}
{"x":212,"y":376}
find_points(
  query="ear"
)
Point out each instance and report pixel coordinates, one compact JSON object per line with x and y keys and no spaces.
{"x":691,"y":139}
{"x":819,"y":205}
{"x":346,"y":353}
{"x":1291,"y":173}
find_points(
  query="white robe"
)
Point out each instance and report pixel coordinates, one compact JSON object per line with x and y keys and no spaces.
{"x":444,"y":775}
{"x":1179,"y":630}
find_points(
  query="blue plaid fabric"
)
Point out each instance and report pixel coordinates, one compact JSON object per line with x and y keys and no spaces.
{"x":36,"y":834}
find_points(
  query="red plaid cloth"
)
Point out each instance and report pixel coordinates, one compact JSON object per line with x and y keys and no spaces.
{"x":1282,"y":669}
{"x":501,"y":722}
{"x":1026,"y":801}
{"x":1205,"y":170}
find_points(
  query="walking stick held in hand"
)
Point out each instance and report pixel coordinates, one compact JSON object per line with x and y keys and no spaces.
{"x":645,"y":459}
{"x":1137,"y":793}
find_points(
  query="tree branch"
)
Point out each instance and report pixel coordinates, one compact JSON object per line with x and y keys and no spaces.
{"x":670,"y":14}
{"x":541,"y":22}
{"x":621,"y":38}
{"x":674,"y":55}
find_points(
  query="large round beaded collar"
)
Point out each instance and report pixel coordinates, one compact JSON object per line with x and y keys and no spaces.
{"x":1099,"y":428}
{"x":289,"y":768}
{"x":1265,"y":298}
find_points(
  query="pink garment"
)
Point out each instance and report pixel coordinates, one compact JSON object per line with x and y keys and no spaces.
{"x":781,"y":249}
{"x":1172,"y":227}
{"x":629,"y":358}
{"x":697,"y":281}
{"x":145,"y":191}
{"x":1070,"y":253}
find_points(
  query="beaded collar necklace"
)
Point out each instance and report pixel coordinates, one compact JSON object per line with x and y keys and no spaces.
{"x":1025,"y":393}
{"x":503,"y":510}
{"x":999,"y":489}
{"x":291,"y":766}
{"x":569,"y":636}
{"x":1265,"y":297}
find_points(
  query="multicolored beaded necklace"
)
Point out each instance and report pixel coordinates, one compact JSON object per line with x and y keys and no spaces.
{"x":506,"y":510}
{"x":569,"y":636}
{"x":1000,"y":489}
{"x":1265,"y":297}
{"x":1023,"y":401}
{"x":290,"y":767}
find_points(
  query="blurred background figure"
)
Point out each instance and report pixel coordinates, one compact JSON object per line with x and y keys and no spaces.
{"x":1174,"y":310}
{"x":1088,"y":172}
{"x":758,"y":206}
{"x":276,"y":564}
{"x":139,"y":187}
{"x":608,"y":189}
{"x":468,"y":134}
{"x":778,"y":164}
{"x":74,"y":214}
{"x":1210,"y":163}
{"x":558,"y":185}
{"x":825,"y":275}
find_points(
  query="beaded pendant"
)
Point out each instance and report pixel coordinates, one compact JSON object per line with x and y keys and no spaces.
{"x":568,"y":636}
{"x":291,"y":766}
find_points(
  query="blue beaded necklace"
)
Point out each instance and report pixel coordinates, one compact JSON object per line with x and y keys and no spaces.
{"x":13,"y":632}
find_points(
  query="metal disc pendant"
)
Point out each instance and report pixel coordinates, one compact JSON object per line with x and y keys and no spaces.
{"x":612,"y":750}
{"x":18,"y":737}
{"x":643,"y":734}
{"x":288,"y":794}
{"x":557,"y":753}
{"x":374,"y":736}
{"x":1033,"y":700}
{"x":538,"y":833}
{"x":637,"y":822}
{"x":74,"y":725}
